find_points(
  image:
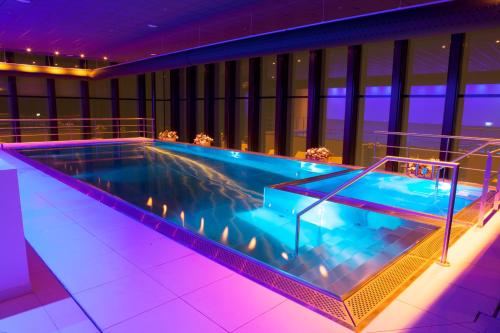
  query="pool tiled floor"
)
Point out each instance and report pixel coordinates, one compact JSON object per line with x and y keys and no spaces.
{"x":113,"y":267}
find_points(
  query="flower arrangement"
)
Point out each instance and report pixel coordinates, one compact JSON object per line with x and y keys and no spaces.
{"x":427,"y":171}
{"x":168,"y":136}
{"x":203,"y":140}
{"x":317,"y":154}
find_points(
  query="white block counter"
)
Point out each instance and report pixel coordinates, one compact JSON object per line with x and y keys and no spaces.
{"x":14,"y":277}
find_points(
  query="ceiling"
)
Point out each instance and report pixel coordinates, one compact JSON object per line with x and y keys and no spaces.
{"x":126,"y":30}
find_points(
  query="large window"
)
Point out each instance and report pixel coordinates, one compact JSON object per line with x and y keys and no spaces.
{"x":200,"y":98}
{"x":375,"y":99}
{"x":32,"y":99}
{"x":268,"y":103}
{"x":479,"y":101}
{"x":333,"y":100}
{"x":162,"y":101}
{"x":68,"y":106}
{"x":219,"y":138}
{"x":5,"y":127}
{"x":100,"y":107}
{"x":299,"y":74}
{"x":426,"y":91}
{"x":242,"y":104}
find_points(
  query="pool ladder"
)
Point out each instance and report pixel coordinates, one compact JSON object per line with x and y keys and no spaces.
{"x":454,"y":166}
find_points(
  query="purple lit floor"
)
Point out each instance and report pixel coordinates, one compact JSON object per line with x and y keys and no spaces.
{"x":129,"y":278}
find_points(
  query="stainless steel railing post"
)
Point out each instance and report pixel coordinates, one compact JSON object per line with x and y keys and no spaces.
{"x":449,"y":216}
{"x":484,"y":193}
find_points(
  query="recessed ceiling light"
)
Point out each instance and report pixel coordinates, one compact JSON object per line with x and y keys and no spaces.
{"x":497,"y":41}
{"x":82,"y":55}
{"x":443,"y":46}
{"x":153,"y":54}
{"x":153,"y":26}
{"x":34,"y":62}
{"x":105,"y":58}
{"x":28,"y":49}
{"x":56,"y":52}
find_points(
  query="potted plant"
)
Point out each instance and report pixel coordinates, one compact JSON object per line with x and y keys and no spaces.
{"x":318,"y":154}
{"x":168,"y":136}
{"x":203,"y":140}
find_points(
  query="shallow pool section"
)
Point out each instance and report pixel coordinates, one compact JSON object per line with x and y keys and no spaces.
{"x":415,"y":194}
{"x":219,"y":194}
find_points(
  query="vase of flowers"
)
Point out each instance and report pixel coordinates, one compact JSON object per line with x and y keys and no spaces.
{"x":203,"y":140}
{"x":318,"y":154}
{"x":168,"y":136}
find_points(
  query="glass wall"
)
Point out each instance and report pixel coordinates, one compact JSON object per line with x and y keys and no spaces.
{"x":219,"y":139}
{"x":333,"y":100}
{"x":128,"y":105}
{"x":268,"y":103}
{"x":200,"y":98}
{"x":425,"y":92}
{"x":162,"y":101}
{"x":299,"y":75}
{"x":374,"y":101}
{"x":100,"y":107}
{"x":5,"y":127}
{"x":479,"y":101}
{"x":32,"y":99}
{"x":242,"y":72}
{"x":68,"y":106}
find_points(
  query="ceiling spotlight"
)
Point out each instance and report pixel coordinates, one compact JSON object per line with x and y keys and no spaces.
{"x":56,"y":64}
{"x":497,"y":41}
{"x":28,"y":49}
{"x":298,"y":60}
{"x":443,"y":46}
{"x":105,"y":58}
{"x":56,"y":52}
{"x":153,"y":26}
{"x":82,"y":55}
{"x":34,"y":62}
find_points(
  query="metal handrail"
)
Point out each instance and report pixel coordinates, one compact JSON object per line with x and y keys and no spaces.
{"x":436,"y":136}
{"x":451,"y":203}
{"x":66,"y":119}
{"x":84,"y":126}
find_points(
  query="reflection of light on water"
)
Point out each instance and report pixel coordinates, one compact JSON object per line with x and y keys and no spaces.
{"x":149,"y":203}
{"x":182,"y":217}
{"x":164,"y":212}
{"x":284,"y":255}
{"x":202,"y":225}
{"x":108,"y":185}
{"x":323,"y":271}
{"x":293,"y":211}
{"x":252,"y":244}
{"x":99,"y":180}
{"x":225,"y":233}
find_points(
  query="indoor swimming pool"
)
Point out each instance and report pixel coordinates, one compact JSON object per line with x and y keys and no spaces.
{"x":232,"y":198}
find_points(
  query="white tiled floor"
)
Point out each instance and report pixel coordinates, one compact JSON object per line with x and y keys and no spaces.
{"x":129,"y":278}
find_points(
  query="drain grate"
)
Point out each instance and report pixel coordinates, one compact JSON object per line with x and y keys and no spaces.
{"x":369,"y":297}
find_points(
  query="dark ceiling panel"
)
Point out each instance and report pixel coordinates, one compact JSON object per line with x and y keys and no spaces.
{"x":119,"y":29}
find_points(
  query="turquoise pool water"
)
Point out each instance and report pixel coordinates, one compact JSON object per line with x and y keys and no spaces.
{"x":220,"y":194}
{"x":414,"y":194}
